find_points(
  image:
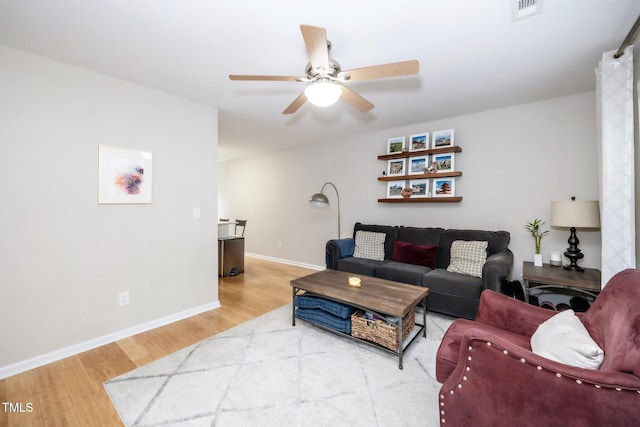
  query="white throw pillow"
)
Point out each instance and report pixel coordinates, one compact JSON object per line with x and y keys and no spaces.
{"x":369,"y":245}
{"x":468,"y":257}
{"x":564,"y":338}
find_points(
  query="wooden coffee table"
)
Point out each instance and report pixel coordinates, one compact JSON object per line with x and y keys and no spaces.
{"x":381,"y":296}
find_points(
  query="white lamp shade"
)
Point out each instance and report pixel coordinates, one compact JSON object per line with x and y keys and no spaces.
{"x":323,"y":93}
{"x":574,"y":213}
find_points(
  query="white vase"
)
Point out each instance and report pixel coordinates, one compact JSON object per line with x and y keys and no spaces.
{"x":537,"y":260}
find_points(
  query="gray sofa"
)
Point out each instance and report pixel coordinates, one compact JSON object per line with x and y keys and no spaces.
{"x":450,"y":293}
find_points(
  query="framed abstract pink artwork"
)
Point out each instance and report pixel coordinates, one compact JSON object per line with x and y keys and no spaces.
{"x":124,"y":175}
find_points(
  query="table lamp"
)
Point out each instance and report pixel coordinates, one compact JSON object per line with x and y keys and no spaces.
{"x":575,"y":214}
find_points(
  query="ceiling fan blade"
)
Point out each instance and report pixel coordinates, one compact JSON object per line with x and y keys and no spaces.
{"x":315,"y":38}
{"x":394,"y":69}
{"x":296,"y":104}
{"x":356,"y":100}
{"x":268,"y":78}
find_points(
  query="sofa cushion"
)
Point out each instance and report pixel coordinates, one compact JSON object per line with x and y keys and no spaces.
{"x":369,"y":245}
{"x":325,"y":319}
{"x":420,"y":236}
{"x":445,"y":282}
{"x":497,"y":241}
{"x":401,"y":272}
{"x":366,"y":267}
{"x":564,"y":338}
{"x":307,"y":300}
{"x":425,"y":255}
{"x":468,"y":257}
{"x":390,"y":231}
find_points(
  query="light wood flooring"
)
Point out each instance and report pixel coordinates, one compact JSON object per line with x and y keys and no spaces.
{"x":70,"y":392}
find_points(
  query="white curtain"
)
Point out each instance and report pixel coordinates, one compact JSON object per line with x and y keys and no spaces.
{"x":614,"y":98}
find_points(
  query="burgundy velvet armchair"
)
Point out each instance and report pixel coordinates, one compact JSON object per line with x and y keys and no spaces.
{"x":490,"y":376}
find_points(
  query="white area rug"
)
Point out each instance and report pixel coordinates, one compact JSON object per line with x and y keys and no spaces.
{"x":267,"y":373}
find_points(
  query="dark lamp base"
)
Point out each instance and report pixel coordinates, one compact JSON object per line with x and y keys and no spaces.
{"x":573,"y":253}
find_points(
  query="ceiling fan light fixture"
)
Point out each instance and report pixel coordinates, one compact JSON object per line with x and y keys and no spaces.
{"x":323,"y":93}
{"x":326,"y":78}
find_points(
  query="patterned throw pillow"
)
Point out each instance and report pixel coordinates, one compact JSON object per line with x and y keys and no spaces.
{"x":369,"y":245}
{"x":468,"y":257}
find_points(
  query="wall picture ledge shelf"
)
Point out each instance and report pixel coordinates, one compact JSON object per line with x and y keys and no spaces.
{"x":422,"y":200}
{"x":407,"y":166}
{"x":421,"y":176}
{"x":400,"y":155}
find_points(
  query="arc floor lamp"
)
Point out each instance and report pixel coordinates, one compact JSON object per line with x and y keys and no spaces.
{"x":319,"y":199}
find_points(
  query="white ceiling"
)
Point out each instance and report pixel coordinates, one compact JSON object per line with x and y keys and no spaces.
{"x":472,"y":56}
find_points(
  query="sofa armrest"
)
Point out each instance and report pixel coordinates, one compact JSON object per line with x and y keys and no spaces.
{"x":496,"y":269}
{"x":509,"y":314}
{"x":526,"y":386}
{"x":475,"y":340}
{"x":336,"y":249}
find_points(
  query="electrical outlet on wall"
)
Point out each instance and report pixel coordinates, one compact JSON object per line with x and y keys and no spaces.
{"x":123,"y":298}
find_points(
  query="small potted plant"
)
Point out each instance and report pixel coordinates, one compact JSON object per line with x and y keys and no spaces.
{"x":535,"y":228}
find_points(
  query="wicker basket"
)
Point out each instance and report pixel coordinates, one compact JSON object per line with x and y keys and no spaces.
{"x":380,"y":332}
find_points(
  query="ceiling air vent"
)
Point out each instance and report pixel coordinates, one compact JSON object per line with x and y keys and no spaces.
{"x":521,"y":9}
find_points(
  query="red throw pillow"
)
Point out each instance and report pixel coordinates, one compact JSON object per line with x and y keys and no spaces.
{"x":409,"y":253}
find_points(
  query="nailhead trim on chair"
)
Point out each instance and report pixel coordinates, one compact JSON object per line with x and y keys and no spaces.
{"x":523,"y":360}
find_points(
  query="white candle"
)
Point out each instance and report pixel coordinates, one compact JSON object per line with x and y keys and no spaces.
{"x":555,"y":258}
{"x":354,"y":281}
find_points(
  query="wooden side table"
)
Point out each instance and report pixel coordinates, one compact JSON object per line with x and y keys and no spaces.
{"x":588,"y":281}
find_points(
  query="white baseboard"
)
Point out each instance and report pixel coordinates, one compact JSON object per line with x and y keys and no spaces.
{"x":54,"y":356}
{"x":286,"y":261}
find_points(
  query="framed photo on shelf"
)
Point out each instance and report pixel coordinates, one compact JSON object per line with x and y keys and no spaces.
{"x":395,"y":145}
{"x":419,"y":142}
{"x":443,"y":138}
{"x":417,"y":165}
{"x":420,"y":187}
{"x":124,"y":175}
{"x":394,"y":189}
{"x":445,"y":187}
{"x":396,"y":167}
{"x":443,"y":162}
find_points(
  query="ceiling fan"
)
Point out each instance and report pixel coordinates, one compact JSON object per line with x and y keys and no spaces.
{"x":326,"y":78}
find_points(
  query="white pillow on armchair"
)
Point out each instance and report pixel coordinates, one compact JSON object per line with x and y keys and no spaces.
{"x":564,"y":338}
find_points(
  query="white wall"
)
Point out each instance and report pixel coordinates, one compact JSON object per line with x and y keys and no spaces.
{"x":515,"y":161}
{"x":63,"y":257}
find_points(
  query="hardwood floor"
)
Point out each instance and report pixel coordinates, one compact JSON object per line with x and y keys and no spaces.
{"x":70,"y":392}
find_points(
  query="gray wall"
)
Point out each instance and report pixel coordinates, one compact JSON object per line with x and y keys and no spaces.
{"x":515,"y":161}
{"x":63,"y":257}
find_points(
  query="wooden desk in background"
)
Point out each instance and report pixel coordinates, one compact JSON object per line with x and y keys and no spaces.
{"x":230,"y":256}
